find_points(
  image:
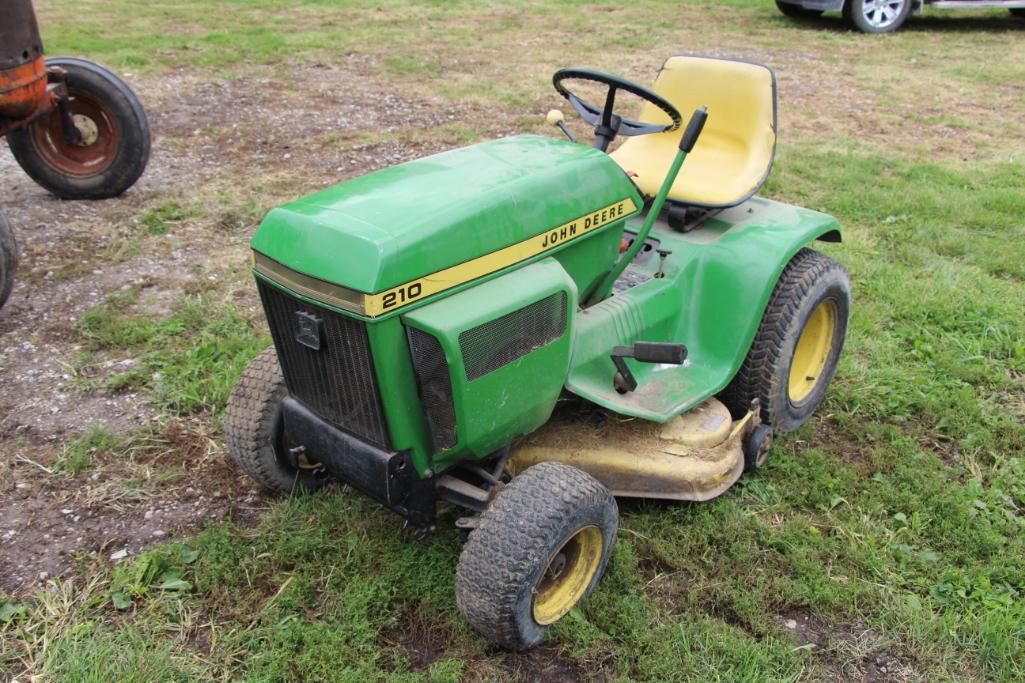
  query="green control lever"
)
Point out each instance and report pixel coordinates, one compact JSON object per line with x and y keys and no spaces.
{"x":690,"y":136}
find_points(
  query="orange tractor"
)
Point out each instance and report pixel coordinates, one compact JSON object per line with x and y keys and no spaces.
{"x":75,"y":127}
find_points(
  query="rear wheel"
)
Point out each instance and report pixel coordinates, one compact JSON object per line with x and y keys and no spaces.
{"x":796,"y":11}
{"x":8,"y":259}
{"x":539,"y":549}
{"x":876,"y":16}
{"x":115,"y":133}
{"x":253,"y":428}
{"x":795,"y":352}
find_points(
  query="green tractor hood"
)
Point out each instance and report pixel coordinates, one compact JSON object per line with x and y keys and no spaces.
{"x":391,"y":226}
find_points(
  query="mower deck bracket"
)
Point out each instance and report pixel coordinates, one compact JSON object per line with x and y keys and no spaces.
{"x":463,"y":493}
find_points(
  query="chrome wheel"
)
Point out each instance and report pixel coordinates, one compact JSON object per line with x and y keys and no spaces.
{"x":881,"y":14}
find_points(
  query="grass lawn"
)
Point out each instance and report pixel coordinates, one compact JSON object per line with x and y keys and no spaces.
{"x":884,"y":541}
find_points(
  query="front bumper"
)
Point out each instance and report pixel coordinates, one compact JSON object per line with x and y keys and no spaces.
{"x":386,"y":476}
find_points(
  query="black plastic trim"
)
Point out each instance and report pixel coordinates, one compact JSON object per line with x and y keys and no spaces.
{"x":819,"y":5}
{"x":386,"y":476}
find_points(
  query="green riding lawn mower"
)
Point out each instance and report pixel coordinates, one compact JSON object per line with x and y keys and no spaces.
{"x":527,"y":328}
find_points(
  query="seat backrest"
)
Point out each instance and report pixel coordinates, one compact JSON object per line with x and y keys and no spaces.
{"x":734,"y":154}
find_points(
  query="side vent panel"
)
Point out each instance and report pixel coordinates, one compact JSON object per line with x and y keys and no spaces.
{"x":497,"y":343}
{"x":435,"y":385}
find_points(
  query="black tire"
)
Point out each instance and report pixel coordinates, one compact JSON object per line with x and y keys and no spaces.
{"x":796,"y":11}
{"x":876,"y":17}
{"x":8,"y":259}
{"x":253,"y":429}
{"x":757,"y":447}
{"x":549,"y":514}
{"x":108,"y":165}
{"x":811,"y":283}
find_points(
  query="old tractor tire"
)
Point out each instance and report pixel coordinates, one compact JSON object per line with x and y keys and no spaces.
{"x":253,"y":429}
{"x":797,"y":346}
{"x":876,"y":16}
{"x":115,"y":129}
{"x":796,"y":11}
{"x":539,"y":549}
{"x":8,"y":259}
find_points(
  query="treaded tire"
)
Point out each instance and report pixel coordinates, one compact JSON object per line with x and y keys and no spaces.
{"x":525,"y":527}
{"x":252,"y":428}
{"x":8,"y":259}
{"x":808,"y":280}
{"x":796,"y":11}
{"x":48,"y":164}
{"x":854,"y":17}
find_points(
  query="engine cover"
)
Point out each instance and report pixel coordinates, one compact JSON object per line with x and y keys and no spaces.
{"x":405,"y":233}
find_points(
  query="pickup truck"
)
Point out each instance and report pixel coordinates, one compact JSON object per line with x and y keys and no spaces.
{"x":883,"y":16}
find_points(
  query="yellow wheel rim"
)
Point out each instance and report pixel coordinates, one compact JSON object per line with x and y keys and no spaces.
{"x":812,"y":351}
{"x":568,"y":574}
{"x":306,"y":464}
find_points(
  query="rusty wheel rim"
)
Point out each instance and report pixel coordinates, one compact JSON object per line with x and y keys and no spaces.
{"x":99,"y":132}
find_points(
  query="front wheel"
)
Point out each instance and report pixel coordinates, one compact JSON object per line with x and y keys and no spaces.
{"x":797,"y":346}
{"x":253,"y":428}
{"x":8,"y":259}
{"x":539,"y":549}
{"x":115,"y":137}
{"x":796,"y":11}
{"x":876,"y":16}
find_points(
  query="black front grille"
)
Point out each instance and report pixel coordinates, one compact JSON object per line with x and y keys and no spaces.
{"x":500,"y":341}
{"x":330,"y":369}
{"x":435,"y":386}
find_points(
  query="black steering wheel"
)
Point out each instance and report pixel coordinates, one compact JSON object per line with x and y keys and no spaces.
{"x":607,"y":124}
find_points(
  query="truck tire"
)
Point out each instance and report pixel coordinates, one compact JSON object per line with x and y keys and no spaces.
{"x":115,"y":128}
{"x":539,"y":549}
{"x":796,"y":11}
{"x":797,"y":346}
{"x":8,"y":259}
{"x":253,"y":429}
{"x":876,"y":16}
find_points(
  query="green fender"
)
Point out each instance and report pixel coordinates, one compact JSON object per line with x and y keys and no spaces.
{"x":716,"y":285}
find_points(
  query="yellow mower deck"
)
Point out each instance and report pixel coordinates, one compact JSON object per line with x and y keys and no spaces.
{"x":696,"y":456}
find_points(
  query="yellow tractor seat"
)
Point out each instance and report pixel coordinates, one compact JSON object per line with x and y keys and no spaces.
{"x":734,"y":154}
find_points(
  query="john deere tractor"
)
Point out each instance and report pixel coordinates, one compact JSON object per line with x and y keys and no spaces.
{"x":527,"y":328}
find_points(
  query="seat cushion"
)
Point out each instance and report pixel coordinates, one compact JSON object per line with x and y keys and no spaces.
{"x":734,"y":154}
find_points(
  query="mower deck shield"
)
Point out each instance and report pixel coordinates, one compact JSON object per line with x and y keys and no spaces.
{"x":695,"y":457}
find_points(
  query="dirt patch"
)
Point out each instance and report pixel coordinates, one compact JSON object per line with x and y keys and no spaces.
{"x":827,"y":436}
{"x":545,"y":663}
{"x":229,"y":149}
{"x":850,"y":652}
{"x":664,"y":584}
{"x":418,"y":638}
{"x":116,"y":508}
